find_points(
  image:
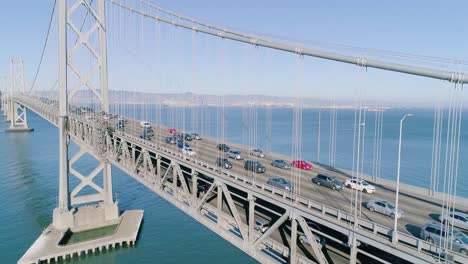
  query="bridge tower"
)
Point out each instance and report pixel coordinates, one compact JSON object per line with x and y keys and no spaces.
{"x":17,"y":114}
{"x":70,"y":212}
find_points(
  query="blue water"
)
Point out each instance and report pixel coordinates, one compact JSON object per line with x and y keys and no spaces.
{"x":29,"y":169}
{"x":29,"y":187}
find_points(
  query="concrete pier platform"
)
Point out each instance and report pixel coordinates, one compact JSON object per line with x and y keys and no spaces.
{"x":47,"y":247}
{"x":19,"y":129}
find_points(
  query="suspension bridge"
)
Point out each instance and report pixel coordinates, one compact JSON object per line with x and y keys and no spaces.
{"x":299,"y":222}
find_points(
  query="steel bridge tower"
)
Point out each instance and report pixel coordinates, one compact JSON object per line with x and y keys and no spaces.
{"x":15,"y":112}
{"x":65,"y":215}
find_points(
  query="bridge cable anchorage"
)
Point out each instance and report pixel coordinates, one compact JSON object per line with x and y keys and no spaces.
{"x":388,"y":66}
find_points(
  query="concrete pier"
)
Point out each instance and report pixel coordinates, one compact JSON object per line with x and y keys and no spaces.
{"x":47,"y":248}
{"x":19,"y":129}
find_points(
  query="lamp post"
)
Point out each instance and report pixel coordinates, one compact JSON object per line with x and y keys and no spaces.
{"x":395,"y":230}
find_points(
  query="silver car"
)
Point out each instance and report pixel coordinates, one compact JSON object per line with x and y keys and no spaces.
{"x":384,"y":207}
{"x":280,"y":183}
{"x":436,"y":233}
{"x":261,"y":224}
{"x":257,"y":153}
{"x":235,"y":154}
{"x":457,"y":219}
{"x":281,"y":164}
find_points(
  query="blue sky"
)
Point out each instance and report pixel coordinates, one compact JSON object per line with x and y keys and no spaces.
{"x":434,"y":28}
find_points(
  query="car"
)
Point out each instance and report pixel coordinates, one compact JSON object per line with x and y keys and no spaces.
{"x":223,"y":147}
{"x":182,"y":145}
{"x":281,"y":164}
{"x":120,"y":124}
{"x":457,"y":219}
{"x":188,"y":151}
{"x":384,"y":207}
{"x":148,"y":130}
{"x":302,"y":164}
{"x":257,"y":153}
{"x":255,"y":166}
{"x":187,"y":137}
{"x":172,"y":131}
{"x":202,"y":187}
{"x":328,"y":181}
{"x":303,"y":238}
{"x":145,"y":136}
{"x":171,"y":140}
{"x":436,"y":233}
{"x":178,"y":137}
{"x":320,"y":241}
{"x":235,"y":154}
{"x":280,"y":183}
{"x":223,"y":162}
{"x":261,"y":224}
{"x":145,"y":124}
{"x":196,"y":136}
{"x":359,"y":185}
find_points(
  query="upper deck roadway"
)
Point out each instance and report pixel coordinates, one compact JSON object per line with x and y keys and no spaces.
{"x":328,"y":208}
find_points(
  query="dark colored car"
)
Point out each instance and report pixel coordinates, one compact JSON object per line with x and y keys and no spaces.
{"x":280,"y":183}
{"x":171,"y":140}
{"x":187,"y":137}
{"x":145,"y":136}
{"x":149,"y":131}
{"x":255,"y":166}
{"x":182,"y":145}
{"x":281,"y":164}
{"x":120,"y":125}
{"x":223,"y":162}
{"x":328,"y":181}
{"x":223,"y":147}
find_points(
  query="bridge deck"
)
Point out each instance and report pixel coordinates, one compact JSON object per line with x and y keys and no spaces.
{"x":418,"y":207}
{"x":327,"y":207}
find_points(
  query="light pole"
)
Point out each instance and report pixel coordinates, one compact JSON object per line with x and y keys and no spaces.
{"x":395,"y":230}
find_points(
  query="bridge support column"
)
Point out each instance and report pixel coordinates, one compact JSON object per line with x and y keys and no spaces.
{"x":293,"y":246}
{"x":251,"y":218}
{"x":18,"y":119}
{"x":353,"y":248}
{"x":194,"y":186}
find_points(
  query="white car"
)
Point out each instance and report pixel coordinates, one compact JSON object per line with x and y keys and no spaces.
{"x":145,"y":124}
{"x":188,"y":151}
{"x":458,"y":219}
{"x":257,"y":153}
{"x":360,"y":185}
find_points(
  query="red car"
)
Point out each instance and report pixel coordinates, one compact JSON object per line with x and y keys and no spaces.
{"x":172,"y":131}
{"x":302,"y":164}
